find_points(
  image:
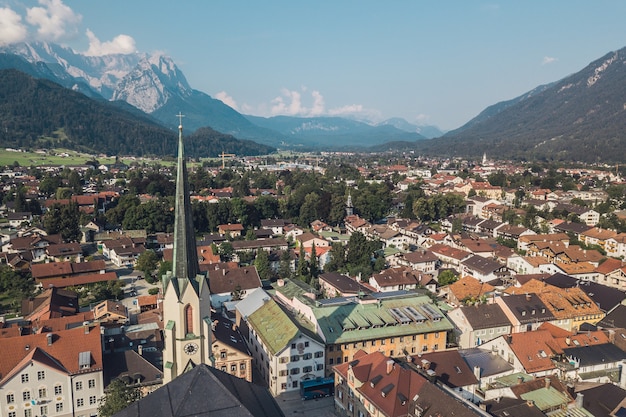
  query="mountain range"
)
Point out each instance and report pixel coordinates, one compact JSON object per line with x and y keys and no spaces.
{"x":579,"y":118}
{"x":156,"y":86}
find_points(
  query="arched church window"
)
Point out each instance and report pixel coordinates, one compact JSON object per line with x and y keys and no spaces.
{"x":188,"y":319}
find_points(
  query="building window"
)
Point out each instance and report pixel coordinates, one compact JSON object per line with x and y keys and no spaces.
{"x":28,"y":412}
{"x":59,"y":407}
{"x":373,"y":343}
{"x":58,"y":390}
{"x":294,"y":371}
{"x":284,"y":359}
{"x":437,"y":335}
{"x":92,"y":383}
{"x":331,"y":348}
{"x":293,"y":345}
{"x":41,"y":375}
{"x":319,"y":354}
{"x":330,"y":361}
{"x":345,"y":359}
{"x":282,"y":372}
{"x":295,"y":384}
{"x":382,"y":342}
{"x":295,"y":358}
{"x":424,"y":348}
{"x":283,"y":386}
{"x":320,"y":367}
{"x":223,"y":354}
{"x":26,"y":395}
{"x":242,"y":366}
{"x":43,"y":393}
{"x":11,"y":414}
{"x":436,"y":346}
{"x":43,"y":410}
{"x":233,"y":367}
{"x":80,"y":402}
{"x":188,"y":319}
{"x":223,"y":368}
{"x":307,"y":356}
{"x":306,"y":344}
{"x":425,"y":336}
{"x":24,"y":378}
{"x":79,"y":385}
{"x":10,"y":398}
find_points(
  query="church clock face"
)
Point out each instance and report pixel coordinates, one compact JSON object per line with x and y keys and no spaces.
{"x":190,"y":348}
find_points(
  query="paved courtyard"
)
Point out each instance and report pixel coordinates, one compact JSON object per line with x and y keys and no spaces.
{"x":293,"y":405}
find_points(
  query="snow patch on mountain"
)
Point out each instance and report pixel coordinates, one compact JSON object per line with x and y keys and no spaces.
{"x":597,"y":73}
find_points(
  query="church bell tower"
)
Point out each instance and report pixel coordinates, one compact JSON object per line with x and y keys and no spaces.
{"x":186,"y":301}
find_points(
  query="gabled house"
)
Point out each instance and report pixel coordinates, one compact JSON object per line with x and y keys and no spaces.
{"x":420,"y":260}
{"x":232,"y":284}
{"x":526,"y":312}
{"x":233,"y":230}
{"x":478,"y":324}
{"x":484,"y":269}
{"x":65,"y":252}
{"x":334,"y":284}
{"x":375,"y":385}
{"x":52,"y":373}
{"x":286,"y":353}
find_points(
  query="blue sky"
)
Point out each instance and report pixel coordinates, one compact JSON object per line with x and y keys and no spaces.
{"x":430,"y":62}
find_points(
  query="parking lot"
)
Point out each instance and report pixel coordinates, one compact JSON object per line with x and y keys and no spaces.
{"x":293,"y":405}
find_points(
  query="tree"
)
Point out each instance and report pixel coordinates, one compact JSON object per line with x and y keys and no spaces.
{"x":447,"y":277}
{"x":262,"y":264}
{"x":117,"y":397}
{"x":65,"y":220}
{"x":313,"y":265}
{"x":165,"y":266}
{"x":284,"y":269}
{"x":302,"y":271}
{"x":147,"y":262}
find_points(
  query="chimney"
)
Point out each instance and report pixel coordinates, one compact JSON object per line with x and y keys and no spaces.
{"x":547,"y":382}
{"x":520,"y":379}
{"x":530,"y":403}
{"x":477,"y":372}
{"x":86,"y":327}
{"x":568,"y":340}
{"x":527,"y":297}
{"x":140,"y":350}
{"x":579,"y":400}
{"x":49,"y":338}
{"x":389,"y":366}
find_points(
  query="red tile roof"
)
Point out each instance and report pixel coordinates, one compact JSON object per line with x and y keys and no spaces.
{"x":64,"y":350}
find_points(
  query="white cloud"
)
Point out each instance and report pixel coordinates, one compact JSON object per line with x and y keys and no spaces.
{"x":12,"y":30}
{"x":548,"y":60}
{"x":121,"y":44}
{"x":54,"y":20}
{"x":303,"y":103}
{"x":290,"y":103}
{"x":422,"y":118}
{"x":226,"y":99}
{"x":318,"y":104}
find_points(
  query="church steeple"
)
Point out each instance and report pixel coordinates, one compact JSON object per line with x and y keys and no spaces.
{"x":184,"y":257}
{"x":349,"y":206}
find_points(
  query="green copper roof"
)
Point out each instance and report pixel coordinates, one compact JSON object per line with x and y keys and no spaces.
{"x":273,"y":326}
{"x":546,"y":398}
{"x":351,"y":320}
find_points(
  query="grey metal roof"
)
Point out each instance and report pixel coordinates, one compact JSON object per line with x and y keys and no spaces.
{"x":206,"y":391}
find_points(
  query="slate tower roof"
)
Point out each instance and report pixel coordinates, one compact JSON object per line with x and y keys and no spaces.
{"x":185,"y":257}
